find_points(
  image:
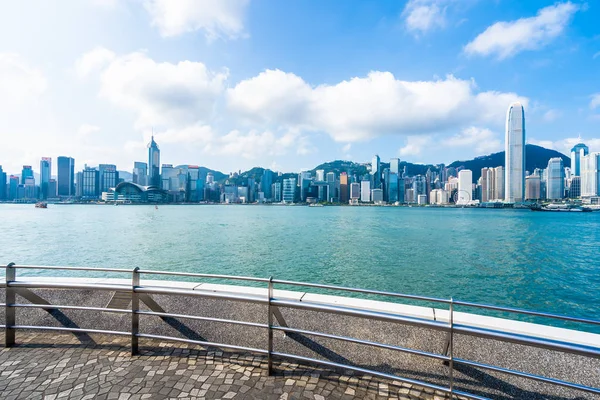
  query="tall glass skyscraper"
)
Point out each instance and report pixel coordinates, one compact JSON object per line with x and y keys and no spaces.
{"x":45,"y":172}
{"x":555,"y":175}
{"x":514,"y":187}
{"x":577,"y":152}
{"x":66,"y":176}
{"x":376,"y":172}
{"x":153,"y":163}
{"x":27,"y":172}
{"x":2,"y":184}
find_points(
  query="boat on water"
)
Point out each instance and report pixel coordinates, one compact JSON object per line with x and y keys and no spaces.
{"x":41,"y":204}
{"x":316,"y":205}
{"x":561,"y":208}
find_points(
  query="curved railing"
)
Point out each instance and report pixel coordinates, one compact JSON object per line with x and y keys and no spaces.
{"x":12,"y":285}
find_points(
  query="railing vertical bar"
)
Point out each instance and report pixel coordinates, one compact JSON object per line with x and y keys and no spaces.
{"x":270,"y":323}
{"x":135,"y":316}
{"x":9,"y":310}
{"x":451,"y":348}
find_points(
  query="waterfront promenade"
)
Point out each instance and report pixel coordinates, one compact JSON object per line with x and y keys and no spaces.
{"x":59,"y":366}
{"x":71,"y":353}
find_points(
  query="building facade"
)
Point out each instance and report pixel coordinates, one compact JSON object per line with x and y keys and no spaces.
{"x":514,"y":186}
{"x":288,"y":190}
{"x":577,"y":152}
{"x":365,"y":191}
{"x":555,"y":179}
{"x":532,"y":187}
{"x":465,"y":187}
{"x":66,"y":176}
{"x":590,"y":175}
{"x":153,"y":163}
{"x":45,"y":175}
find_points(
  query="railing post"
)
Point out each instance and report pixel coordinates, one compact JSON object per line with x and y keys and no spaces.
{"x":135,"y":305}
{"x":270,"y":322}
{"x":451,"y":348}
{"x":9,"y":311}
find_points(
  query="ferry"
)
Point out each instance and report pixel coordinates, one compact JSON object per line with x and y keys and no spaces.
{"x":41,"y":204}
{"x":560,"y":208}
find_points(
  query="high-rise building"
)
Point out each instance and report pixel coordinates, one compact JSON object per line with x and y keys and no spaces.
{"x":304,"y":179}
{"x":376,"y":171}
{"x":514,"y":187}
{"x":45,"y":175}
{"x":354,"y":192}
{"x":577,"y":152}
{"x":266,"y":183}
{"x":555,"y":179}
{"x":289,"y":190}
{"x":320,"y":175}
{"x":344,"y":194}
{"x":108,"y":177}
{"x":575,"y":187}
{"x":140,"y":173}
{"x":13,"y":187}
{"x":486,"y":184}
{"x":153,"y":164}
{"x":392,"y":187}
{"x":590,"y":175}
{"x":52,"y":189}
{"x":276,"y":190}
{"x":465,"y":187}
{"x":377,"y":196}
{"x":90,"y":183}
{"x":498,"y":183}
{"x":532,"y":188}
{"x":66,"y":176}
{"x":27,"y":172}
{"x":3,"y":183}
{"x":365,"y":191}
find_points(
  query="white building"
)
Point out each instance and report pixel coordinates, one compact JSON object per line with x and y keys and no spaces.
{"x":514,"y":187}
{"x":365,"y":191}
{"x":289,"y":190}
{"x":465,"y":187}
{"x":590,"y":175}
{"x":421,"y":199}
{"x":555,"y":181}
{"x":377,"y":196}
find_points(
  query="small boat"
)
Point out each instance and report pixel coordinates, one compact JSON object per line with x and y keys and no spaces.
{"x":41,"y":204}
{"x":155,"y":207}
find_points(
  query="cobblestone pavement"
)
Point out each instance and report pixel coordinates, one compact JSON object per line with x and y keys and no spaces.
{"x":58,"y":366}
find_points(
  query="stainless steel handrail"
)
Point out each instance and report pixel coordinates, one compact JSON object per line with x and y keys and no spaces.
{"x":12,"y":284}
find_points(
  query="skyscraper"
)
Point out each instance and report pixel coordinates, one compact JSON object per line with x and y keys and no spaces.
{"x":45,"y":175}
{"x":514,"y":187}
{"x":153,"y":163}
{"x":376,"y":171}
{"x":2,"y":184}
{"x":90,"y":183}
{"x":395,"y":166}
{"x":140,"y":173}
{"x":108,"y":177}
{"x":66,"y":176}
{"x":13,"y":187}
{"x":578,"y":151}
{"x":27,"y":172}
{"x":590,"y":175}
{"x":289,"y":190}
{"x":365,"y":191}
{"x":532,"y":187}
{"x":486,"y":184}
{"x":266,"y":184}
{"x":465,"y":187}
{"x":344,"y":196}
{"x":555,"y":179}
{"x":499,"y":183}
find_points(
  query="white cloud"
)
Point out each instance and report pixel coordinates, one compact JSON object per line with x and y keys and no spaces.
{"x":422,"y":16}
{"x":346,"y":147}
{"x":505,"y":39}
{"x":162,"y":94}
{"x":551,"y":115}
{"x":87,"y":129}
{"x":415,"y":145}
{"x":364,"y":108}
{"x":565,"y":145}
{"x":93,"y":61}
{"x":595,"y":102}
{"x":20,"y":83}
{"x":217,"y":18}
{"x":482,"y":140}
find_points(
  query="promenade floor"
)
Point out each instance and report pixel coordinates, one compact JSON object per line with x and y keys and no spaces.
{"x":58,"y":366}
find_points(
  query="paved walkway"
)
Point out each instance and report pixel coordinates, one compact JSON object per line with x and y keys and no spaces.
{"x":58,"y":366}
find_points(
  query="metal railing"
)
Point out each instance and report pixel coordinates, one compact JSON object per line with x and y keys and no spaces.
{"x":12,"y":286}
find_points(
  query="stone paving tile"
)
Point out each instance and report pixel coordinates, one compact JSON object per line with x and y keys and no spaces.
{"x":59,"y":367}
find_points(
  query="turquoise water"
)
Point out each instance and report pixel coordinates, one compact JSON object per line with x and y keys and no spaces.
{"x":542,"y":261}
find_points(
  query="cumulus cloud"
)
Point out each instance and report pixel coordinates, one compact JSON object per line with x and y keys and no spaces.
{"x":415,"y":145}
{"x":565,"y":145}
{"x":364,"y":108}
{"x":162,"y":93}
{"x":20,"y":83}
{"x":551,"y":115}
{"x":483,"y":140}
{"x":505,"y":39}
{"x":422,"y":16}
{"x":217,"y":18}
{"x":595,"y":102}
{"x":93,"y":61}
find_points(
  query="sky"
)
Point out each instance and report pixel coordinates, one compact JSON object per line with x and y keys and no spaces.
{"x":287,"y":85}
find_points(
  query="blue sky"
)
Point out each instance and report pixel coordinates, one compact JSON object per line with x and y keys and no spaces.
{"x":231,"y":84}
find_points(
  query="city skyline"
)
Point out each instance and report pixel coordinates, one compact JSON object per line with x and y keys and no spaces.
{"x":235,"y":83}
